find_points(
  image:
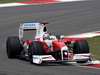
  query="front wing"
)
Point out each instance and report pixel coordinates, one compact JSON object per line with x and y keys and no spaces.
{"x":38,"y":59}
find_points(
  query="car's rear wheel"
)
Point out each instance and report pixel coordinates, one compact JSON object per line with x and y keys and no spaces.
{"x":13,"y":46}
{"x":81,"y":47}
{"x":35,"y":49}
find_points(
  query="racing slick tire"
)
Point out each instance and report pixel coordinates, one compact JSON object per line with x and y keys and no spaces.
{"x":13,"y":46}
{"x":81,"y":47}
{"x":35,"y":49}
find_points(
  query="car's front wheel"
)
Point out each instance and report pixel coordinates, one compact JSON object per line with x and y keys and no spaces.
{"x":81,"y":47}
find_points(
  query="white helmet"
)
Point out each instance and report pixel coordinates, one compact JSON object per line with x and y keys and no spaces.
{"x":45,"y":36}
{"x":53,"y":37}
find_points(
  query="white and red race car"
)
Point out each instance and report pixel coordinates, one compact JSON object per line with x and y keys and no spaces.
{"x":45,"y":47}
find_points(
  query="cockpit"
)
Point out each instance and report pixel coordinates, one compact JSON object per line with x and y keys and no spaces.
{"x":49,"y":37}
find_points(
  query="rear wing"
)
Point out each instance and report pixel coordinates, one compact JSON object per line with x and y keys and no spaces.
{"x":27,"y":26}
{"x":30,"y":26}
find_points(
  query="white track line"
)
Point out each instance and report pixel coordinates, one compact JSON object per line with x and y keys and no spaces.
{"x":11,"y":4}
{"x":85,"y":35}
{"x":21,"y":4}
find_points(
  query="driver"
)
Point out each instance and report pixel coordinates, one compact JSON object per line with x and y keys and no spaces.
{"x":46,"y":36}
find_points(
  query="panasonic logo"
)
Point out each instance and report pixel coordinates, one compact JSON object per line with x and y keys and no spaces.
{"x":30,"y":24}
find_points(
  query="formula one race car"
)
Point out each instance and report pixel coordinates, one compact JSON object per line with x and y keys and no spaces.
{"x":46,"y":47}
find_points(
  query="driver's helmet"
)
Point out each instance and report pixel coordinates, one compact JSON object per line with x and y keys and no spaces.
{"x":46,"y":36}
{"x":52,"y":37}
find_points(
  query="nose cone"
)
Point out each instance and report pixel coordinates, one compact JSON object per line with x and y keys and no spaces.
{"x":58,"y":45}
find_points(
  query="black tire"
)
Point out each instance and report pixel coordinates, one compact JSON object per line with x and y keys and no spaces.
{"x":35,"y":49}
{"x":13,"y":46}
{"x":82,"y":61}
{"x":80,"y":47}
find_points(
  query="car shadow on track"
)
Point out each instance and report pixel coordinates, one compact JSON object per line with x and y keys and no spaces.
{"x":54,"y":64}
{"x":47,"y":63}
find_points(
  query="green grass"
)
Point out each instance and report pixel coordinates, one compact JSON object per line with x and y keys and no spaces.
{"x":94,"y":44}
{"x":10,"y":1}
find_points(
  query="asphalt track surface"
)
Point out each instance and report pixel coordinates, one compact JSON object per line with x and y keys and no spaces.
{"x":67,"y":18}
